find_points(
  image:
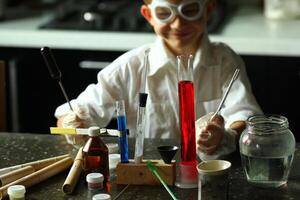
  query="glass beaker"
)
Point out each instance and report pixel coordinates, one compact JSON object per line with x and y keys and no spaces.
{"x":267,"y":149}
{"x":188,"y":171}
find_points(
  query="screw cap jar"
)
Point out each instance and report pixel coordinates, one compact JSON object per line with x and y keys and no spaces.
{"x":267,"y":149}
{"x":16,"y":192}
{"x":95,"y":181}
{"x":102,"y":197}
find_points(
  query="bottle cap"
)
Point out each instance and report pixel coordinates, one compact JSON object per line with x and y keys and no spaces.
{"x":143,"y":99}
{"x":114,"y":159}
{"x":94,"y":131}
{"x":94,"y":178}
{"x":101,"y":197}
{"x":112,"y":148}
{"x":16,"y":191}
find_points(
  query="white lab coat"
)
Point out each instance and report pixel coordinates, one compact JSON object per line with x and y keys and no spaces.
{"x":214,"y":65}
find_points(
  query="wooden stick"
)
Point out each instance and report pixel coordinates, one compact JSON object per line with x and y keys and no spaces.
{"x":37,"y":165}
{"x":74,"y":174}
{"x":39,"y":176}
{"x":15,"y":175}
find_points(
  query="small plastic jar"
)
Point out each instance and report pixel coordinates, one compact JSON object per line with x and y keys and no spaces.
{"x":114,"y":159}
{"x":102,"y":196}
{"x":112,"y":148}
{"x":16,"y":192}
{"x":95,"y":181}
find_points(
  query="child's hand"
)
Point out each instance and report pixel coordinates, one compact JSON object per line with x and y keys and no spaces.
{"x":75,"y":120}
{"x":72,"y":120}
{"x":209,"y":133}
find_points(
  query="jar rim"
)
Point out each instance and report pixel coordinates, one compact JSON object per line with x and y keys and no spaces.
{"x":267,"y":123}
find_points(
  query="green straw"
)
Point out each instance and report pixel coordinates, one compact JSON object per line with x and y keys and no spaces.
{"x":154,"y":171}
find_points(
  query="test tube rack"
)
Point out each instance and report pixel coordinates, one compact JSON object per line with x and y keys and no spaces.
{"x":139,"y":174}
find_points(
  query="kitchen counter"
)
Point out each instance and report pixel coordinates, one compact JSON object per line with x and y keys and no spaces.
{"x":18,"y":148}
{"x":248,"y":32}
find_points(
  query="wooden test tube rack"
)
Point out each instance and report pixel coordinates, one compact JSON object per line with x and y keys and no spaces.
{"x":140,"y":174}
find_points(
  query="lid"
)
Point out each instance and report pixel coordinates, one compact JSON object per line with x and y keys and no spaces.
{"x":16,"y":190}
{"x":114,"y":159}
{"x":101,"y":197}
{"x":143,"y":99}
{"x":94,"y":131}
{"x":112,"y":147}
{"x":213,"y":167}
{"x":94,"y":178}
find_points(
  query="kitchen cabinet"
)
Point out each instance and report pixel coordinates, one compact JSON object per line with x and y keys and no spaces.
{"x":32,"y":94}
{"x":276,"y":84}
{"x":2,"y":97}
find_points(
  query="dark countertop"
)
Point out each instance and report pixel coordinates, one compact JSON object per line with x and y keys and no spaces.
{"x":21,"y":148}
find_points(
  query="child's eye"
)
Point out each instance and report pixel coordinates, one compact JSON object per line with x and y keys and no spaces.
{"x":191,"y":10}
{"x":162,"y":12}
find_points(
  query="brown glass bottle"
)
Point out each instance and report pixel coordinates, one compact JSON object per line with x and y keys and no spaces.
{"x":95,"y":155}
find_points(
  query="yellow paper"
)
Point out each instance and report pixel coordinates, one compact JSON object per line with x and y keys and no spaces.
{"x":56,"y":130}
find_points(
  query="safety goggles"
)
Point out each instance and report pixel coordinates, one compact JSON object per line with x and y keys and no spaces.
{"x":164,"y":12}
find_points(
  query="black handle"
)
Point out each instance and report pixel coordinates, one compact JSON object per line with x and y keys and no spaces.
{"x":49,"y":59}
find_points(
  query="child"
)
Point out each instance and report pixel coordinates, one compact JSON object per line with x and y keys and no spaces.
{"x":180,"y":26}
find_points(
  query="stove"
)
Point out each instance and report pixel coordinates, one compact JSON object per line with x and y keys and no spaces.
{"x":105,"y":15}
{"x":116,"y":15}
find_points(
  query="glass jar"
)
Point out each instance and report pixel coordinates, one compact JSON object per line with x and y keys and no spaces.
{"x":267,"y":149}
{"x":282,"y":9}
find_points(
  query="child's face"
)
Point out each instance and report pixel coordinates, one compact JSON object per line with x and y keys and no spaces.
{"x":181,"y":23}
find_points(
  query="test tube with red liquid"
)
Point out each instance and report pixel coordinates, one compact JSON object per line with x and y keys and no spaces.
{"x":188,"y":175}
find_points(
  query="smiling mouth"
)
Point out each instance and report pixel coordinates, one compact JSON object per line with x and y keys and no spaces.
{"x":181,"y":34}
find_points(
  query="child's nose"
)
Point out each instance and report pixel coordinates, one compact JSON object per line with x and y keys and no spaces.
{"x":177,"y":22}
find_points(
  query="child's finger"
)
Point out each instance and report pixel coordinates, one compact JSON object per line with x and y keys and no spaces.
{"x":208,"y":150}
{"x":204,"y":136}
{"x":218,"y":119}
{"x":214,"y":128}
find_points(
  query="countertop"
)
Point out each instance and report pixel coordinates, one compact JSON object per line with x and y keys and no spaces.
{"x":248,"y":32}
{"x":16,"y":148}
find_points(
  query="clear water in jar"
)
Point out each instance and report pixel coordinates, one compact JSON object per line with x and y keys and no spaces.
{"x":267,"y":172}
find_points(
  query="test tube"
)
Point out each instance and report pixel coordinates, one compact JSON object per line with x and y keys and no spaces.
{"x":123,"y":139}
{"x":140,"y":126}
{"x":139,"y":143}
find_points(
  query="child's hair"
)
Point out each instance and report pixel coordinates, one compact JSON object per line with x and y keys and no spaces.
{"x":147,"y":1}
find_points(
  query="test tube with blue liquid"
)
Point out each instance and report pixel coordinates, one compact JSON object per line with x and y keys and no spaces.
{"x":123,"y":139}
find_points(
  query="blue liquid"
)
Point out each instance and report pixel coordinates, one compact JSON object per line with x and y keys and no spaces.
{"x":123,"y":139}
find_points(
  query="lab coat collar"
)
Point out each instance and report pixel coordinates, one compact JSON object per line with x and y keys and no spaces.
{"x":160,"y":56}
{"x":205,"y":57}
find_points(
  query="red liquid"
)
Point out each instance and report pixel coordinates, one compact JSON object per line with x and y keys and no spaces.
{"x":95,"y":158}
{"x":187,"y":121}
{"x":92,"y":163}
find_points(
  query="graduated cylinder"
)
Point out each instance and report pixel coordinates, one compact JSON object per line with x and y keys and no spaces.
{"x":187,"y":108}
